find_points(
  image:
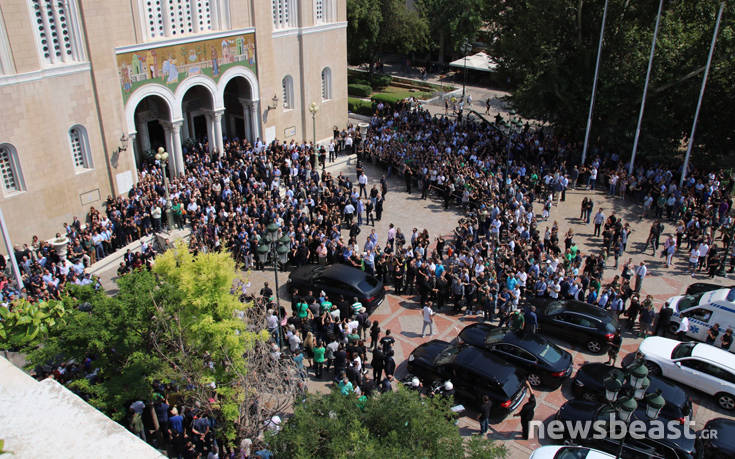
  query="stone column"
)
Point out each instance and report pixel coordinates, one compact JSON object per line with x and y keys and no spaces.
{"x":132,"y":146}
{"x":145,"y":141}
{"x":255,"y":119}
{"x":178,"y":150}
{"x":210,"y":129}
{"x":246,"y":119}
{"x":219,"y":141}
{"x":168,"y":134}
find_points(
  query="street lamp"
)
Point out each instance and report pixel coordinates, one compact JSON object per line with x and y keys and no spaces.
{"x":162,"y":156}
{"x":466,"y":48}
{"x":632,"y":393}
{"x":314,"y":109}
{"x":276,"y":249}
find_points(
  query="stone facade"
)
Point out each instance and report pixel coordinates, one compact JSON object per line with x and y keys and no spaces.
{"x":79,"y":82}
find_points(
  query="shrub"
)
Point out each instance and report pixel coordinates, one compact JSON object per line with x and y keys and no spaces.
{"x":381,"y":81}
{"x":359,"y":90}
{"x":359,"y":106}
{"x":389,"y":99}
{"x":358,"y":80}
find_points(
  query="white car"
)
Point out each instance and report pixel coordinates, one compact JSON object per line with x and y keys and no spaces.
{"x":698,"y":365}
{"x":568,"y":452}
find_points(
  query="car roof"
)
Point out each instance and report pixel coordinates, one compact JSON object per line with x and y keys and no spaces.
{"x":344,"y":273}
{"x":715,"y":355}
{"x":672,"y":393}
{"x":725,"y":432}
{"x":484,"y":363}
{"x":584,"y":308}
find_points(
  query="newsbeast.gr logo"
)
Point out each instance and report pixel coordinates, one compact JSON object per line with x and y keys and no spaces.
{"x":616,"y":429}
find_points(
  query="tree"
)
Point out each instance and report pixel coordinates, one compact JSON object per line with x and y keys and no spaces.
{"x":402,"y":30}
{"x":548,"y":49}
{"x":394,"y":424}
{"x":363,"y":31}
{"x":181,"y":324}
{"x":452,"y":22}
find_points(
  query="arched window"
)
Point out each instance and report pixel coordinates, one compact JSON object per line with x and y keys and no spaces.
{"x":326,"y":83}
{"x":288,"y":99}
{"x":80,"y":148}
{"x":10,"y":169}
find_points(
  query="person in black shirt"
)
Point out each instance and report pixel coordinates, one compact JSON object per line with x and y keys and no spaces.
{"x":526,"y":414}
{"x":726,"y":340}
{"x":390,"y":365}
{"x":387,"y":343}
{"x":664,"y":319}
{"x":266,"y":291}
{"x":485,"y":410}
{"x":377,"y":364}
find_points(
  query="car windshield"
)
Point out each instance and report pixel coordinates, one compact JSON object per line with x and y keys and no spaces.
{"x":682,"y":350}
{"x":550,"y":353}
{"x":731,"y":295}
{"x":572,"y":452}
{"x":446,"y":355}
{"x":367,"y":284}
{"x":554,"y":307}
{"x":687,"y":301}
{"x":511,"y":385}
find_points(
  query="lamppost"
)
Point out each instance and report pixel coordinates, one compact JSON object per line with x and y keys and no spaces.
{"x":162,"y":156}
{"x":276,"y":249}
{"x":314,"y":109}
{"x":466,"y":48}
{"x":632,"y":383}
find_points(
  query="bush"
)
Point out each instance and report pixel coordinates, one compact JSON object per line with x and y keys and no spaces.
{"x":359,"y":106}
{"x":358,"y":80}
{"x":381,"y":81}
{"x":389,"y":99}
{"x":359,"y":90}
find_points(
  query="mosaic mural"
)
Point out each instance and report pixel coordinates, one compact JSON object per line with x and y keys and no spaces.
{"x":169,"y":65}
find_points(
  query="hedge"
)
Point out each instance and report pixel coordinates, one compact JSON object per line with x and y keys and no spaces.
{"x":381,"y":81}
{"x":359,"y":106}
{"x":358,"y":80}
{"x":359,"y":90}
{"x":390,"y":99}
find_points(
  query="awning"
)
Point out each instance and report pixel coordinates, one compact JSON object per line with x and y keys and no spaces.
{"x":480,"y":61}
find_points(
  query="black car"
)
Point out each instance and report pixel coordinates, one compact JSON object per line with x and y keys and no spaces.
{"x":473,"y":372}
{"x":701,"y":287}
{"x":336,"y":280}
{"x":588,"y":384}
{"x":717,"y":439}
{"x":544,"y":362}
{"x":668,"y":447}
{"x":576,"y":322}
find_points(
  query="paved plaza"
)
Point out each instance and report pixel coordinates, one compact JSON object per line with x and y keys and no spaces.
{"x":402,"y":315}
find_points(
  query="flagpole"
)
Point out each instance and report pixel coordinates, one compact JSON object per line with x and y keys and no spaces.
{"x":594,"y":85}
{"x":11,"y":252}
{"x":645,"y":89}
{"x":701,"y":96}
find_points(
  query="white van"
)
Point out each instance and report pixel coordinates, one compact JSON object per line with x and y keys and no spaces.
{"x":704,"y":310}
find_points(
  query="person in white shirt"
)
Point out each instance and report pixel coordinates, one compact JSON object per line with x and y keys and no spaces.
{"x":681,"y":332}
{"x":703,"y":250}
{"x":640,"y":274}
{"x":428,"y":314}
{"x":693,"y":260}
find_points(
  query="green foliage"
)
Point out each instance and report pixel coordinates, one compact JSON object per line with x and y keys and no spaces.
{"x":452,"y":22}
{"x":363,"y":30}
{"x":548,"y":49}
{"x":357,"y":80}
{"x":25,"y":324}
{"x":395,"y":424}
{"x":359,"y":106}
{"x":359,"y":90}
{"x":178,"y":323}
{"x":381,"y":80}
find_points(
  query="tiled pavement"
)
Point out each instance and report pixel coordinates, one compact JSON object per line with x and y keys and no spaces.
{"x":402,"y":316}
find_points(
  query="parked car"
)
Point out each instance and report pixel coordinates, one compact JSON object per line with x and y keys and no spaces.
{"x":336,"y":280}
{"x":704,"y":309}
{"x":698,"y":365}
{"x":576,"y":322}
{"x":588,"y":384}
{"x":666,"y":448}
{"x":543,"y":362}
{"x":473,"y":372}
{"x":701,"y":287}
{"x":717,"y":439}
{"x":568,"y":452}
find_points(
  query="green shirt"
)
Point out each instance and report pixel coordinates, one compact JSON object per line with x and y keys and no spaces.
{"x":356,"y":307}
{"x":319,"y":354}
{"x":302,"y":310}
{"x":326,"y":306}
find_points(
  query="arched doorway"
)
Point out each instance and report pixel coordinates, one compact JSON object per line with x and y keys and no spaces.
{"x":196,"y":106}
{"x":152,"y":123}
{"x":240,"y":109}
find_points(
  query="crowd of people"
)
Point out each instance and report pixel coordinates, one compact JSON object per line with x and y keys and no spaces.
{"x":508,"y":246}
